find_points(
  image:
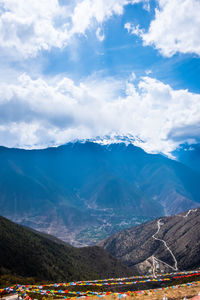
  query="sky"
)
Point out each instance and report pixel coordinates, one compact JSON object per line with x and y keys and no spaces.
{"x":93,"y":69}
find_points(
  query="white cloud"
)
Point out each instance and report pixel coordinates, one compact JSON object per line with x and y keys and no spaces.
{"x":148,"y":72}
{"x":88,"y":11}
{"x":132,"y":77}
{"x":39,"y":113}
{"x":27,"y":26}
{"x":176,"y":27}
{"x":147,"y":6}
{"x":100,"y":35}
{"x":132,"y":29}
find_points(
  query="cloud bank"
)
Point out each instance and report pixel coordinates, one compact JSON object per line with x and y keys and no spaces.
{"x":39,"y":113}
{"x":28,"y":27}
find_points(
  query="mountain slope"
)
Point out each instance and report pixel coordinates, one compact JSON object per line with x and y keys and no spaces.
{"x":74,"y":190}
{"x":137,"y":246}
{"x":30,"y":254}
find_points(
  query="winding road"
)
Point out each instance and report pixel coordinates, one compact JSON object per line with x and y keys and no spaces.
{"x":159,"y":224}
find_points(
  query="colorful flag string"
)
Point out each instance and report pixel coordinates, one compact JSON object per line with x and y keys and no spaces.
{"x":24,"y":290}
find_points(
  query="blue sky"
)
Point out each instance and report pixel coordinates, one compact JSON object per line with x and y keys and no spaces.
{"x":86,"y":68}
{"x":120,"y":53}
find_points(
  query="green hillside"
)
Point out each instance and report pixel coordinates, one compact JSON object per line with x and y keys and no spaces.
{"x":27,"y":253}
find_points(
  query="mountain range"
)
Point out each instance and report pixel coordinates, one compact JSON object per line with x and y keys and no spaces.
{"x":84,"y":192}
{"x":169,"y":243}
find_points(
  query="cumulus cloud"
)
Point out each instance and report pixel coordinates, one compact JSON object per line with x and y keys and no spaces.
{"x":27,"y":27}
{"x":88,"y":11}
{"x":132,"y":29}
{"x":176,"y":27}
{"x":39,"y":113}
{"x":30,"y":26}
